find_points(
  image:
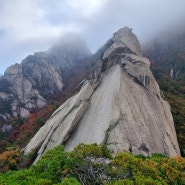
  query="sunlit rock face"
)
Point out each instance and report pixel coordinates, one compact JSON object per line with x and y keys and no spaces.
{"x":120,"y":106}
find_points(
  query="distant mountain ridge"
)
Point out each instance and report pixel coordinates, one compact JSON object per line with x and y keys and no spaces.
{"x":30,"y":85}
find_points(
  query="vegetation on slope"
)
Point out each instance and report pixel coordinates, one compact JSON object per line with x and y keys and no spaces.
{"x":23,"y":130}
{"x":175,"y":95}
{"x":93,"y":164}
{"x":167,"y":55}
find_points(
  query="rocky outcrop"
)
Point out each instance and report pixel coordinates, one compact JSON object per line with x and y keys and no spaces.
{"x":119,"y":106}
{"x":26,"y":87}
{"x":24,"y":94}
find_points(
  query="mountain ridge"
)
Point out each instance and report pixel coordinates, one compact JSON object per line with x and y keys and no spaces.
{"x":28,"y":86}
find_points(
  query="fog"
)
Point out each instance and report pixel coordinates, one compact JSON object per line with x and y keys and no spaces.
{"x":35,"y":25}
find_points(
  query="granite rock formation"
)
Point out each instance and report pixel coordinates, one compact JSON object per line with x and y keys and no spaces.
{"x":119,"y":105}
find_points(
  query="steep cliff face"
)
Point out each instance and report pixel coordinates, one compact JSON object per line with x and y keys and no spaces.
{"x":119,"y":106}
{"x":24,"y":92}
{"x":26,"y":87}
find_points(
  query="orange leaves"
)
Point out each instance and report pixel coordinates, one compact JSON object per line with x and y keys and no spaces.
{"x":173,"y":168}
{"x":157,"y":167}
{"x":26,"y":131}
{"x":8,"y":155}
{"x":32,"y":118}
{"x":8,"y":160}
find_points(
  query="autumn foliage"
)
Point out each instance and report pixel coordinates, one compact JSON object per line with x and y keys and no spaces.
{"x":92,"y":165}
{"x":9,"y":160}
{"x":23,"y":133}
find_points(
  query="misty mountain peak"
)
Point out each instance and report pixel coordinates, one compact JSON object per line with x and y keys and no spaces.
{"x":70,"y":47}
{"x":70,"y":39}
{"x":124,"y":38}
{"x":40,"y":75}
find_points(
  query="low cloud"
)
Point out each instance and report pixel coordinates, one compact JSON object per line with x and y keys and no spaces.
{"x":33,"y":25}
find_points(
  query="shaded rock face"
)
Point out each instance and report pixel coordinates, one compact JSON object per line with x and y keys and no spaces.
{"x":25,"y":87}
{"x":119,"y":106}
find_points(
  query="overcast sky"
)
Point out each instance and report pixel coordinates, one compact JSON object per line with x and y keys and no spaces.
{"x":34,"y":25}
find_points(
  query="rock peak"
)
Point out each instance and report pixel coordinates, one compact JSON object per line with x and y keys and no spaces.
{"x":127,"y":37}
{"x":125,"y":29}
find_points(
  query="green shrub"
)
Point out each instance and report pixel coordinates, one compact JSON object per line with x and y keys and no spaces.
{"x":93,"y":164}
